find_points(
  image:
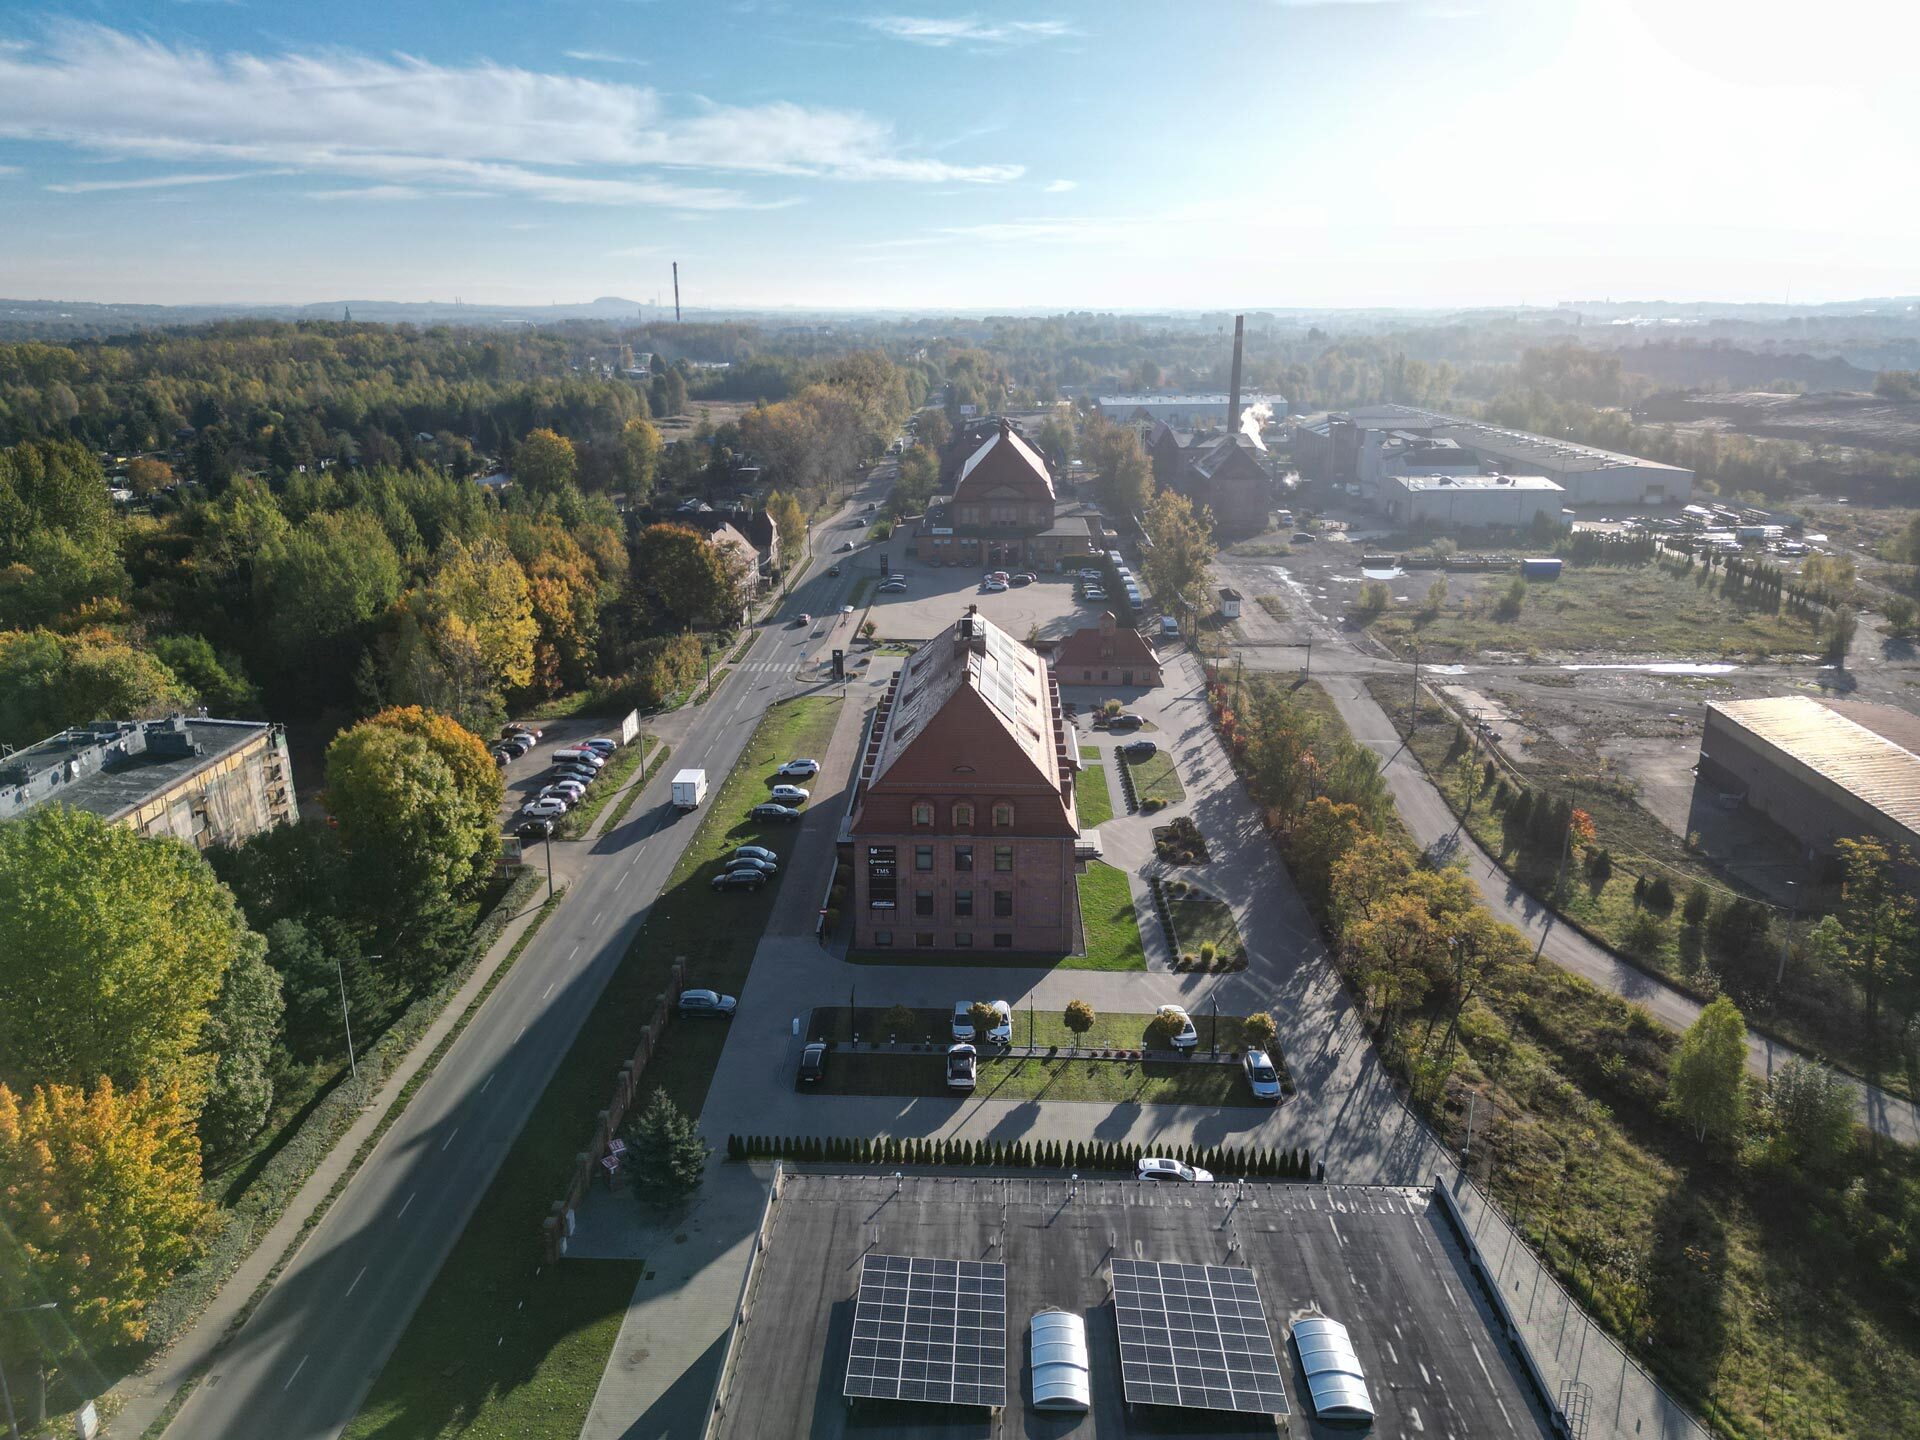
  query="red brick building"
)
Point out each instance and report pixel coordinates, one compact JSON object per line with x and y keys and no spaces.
{"x":964,"y":824}
{"x":1004,"y":484}
{"x":1106,"y":654}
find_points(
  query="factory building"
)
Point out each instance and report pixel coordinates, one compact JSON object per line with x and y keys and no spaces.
{"x":205,"y":782}
{"x":1822,"y":770}
{"x":1190,"y":412}
{"x":1226,"y":470}
{"x":1470,"y":502}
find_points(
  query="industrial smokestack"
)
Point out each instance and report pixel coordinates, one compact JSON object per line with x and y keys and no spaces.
{"x":676,"y":304}
{"x":1233,"y":399}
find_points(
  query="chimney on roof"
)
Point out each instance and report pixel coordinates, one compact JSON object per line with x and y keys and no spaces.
{"x":968,"y":622}
{"x":1233,"y":398}
{"x":1006,"y":427}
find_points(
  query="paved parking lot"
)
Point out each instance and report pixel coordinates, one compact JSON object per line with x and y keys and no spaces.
{"x":938,"y":595}
{"x":531,"y":771}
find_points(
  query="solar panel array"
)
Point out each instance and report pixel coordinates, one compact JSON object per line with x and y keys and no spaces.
{"x":1195,"y":1336}
{"x":931,"y":1330}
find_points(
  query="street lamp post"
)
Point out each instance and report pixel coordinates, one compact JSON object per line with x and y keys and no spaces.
{"x":340,"y":973}
{"x":548,"y":837}
{"x":6,"y":1392}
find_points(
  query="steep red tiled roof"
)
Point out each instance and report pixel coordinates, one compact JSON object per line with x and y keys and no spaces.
{"x":1101,"y":645}
{"x":1005,"y":461}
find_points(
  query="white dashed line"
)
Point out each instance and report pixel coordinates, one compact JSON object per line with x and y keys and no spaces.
{"x":449,"y":1140}
{"x":403,"y":1208}
{"x":296,"y":1374}
{"x":356,"y":1281}
{"x":483,"y":1088}
{"x":548,"y":991}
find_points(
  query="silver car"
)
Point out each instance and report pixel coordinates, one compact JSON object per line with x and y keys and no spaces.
{"x":1262,"y":1078}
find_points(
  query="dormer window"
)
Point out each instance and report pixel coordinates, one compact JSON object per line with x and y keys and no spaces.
{"x":923,"y":812}
{"x":1002,"y":814}
{"x":963,"y":815}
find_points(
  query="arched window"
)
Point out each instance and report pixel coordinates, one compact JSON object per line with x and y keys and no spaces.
{"x":1002,"y":813}
{"x":923,"y":812}
{"x":963,"y":815}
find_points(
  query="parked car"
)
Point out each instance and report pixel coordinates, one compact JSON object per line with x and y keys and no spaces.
{"x":1154,"y":1167}
{"x":521,"y":727}
{"x":834,"y":569}
{"x":575,"y":755}
{"x":963,"y":1067}
{"x":570,"y":790}
{"x":503,"y":758}
{"x":871,"y":507}
{"x":1093,"y":593}
{"x":1089,"y":575}
{"x":1303,"y":537}
{"x":519,"y":744}
{"x":891,"y":587}
{"x":533,"y":831}
{"x":770,"y":811}
{"x":707,"y":1002}
{"x":846,"y":546}
{"x":600,"y":745}
{"x":1023,"y":579}
{"x":993,"y":587}
{"x":799,"y":769}
{"x":1262,"y":1078}
{"x":574,"y":772}
{"x":544,"y":809}
{"x":754,"y":852}
{"x":1185,"y":1037}
{"x":1000,"y":1034}
{"x":753,"y":862}
{"x":813,"y":1063}
{"x":1169,"y":628}
{"x":1125,"y":720}
{"x":739,"y":880}
{"x":791,"y":794}
{"x":1139,"y":749}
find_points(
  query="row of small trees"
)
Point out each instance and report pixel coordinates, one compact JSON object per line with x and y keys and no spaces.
{"x":1225,"y":1161}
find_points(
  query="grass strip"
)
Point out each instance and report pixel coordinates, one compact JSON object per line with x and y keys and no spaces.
{"x":661,"y":752}
{"x":502,"y":1346}
{"x":1108,"y":920}
{"x":1155,"y":778}
{"x":1091,"y":792}
{"x":577,"y":821}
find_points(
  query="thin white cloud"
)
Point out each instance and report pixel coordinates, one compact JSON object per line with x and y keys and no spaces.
{"x":156,"y":182}
{"x":938,"y":33}
{"x":1060,"y":187}
{"x":9,"y":170}
{"x":378,"y":192}
{"x":406,"y":121}
{"x":603,"y":57}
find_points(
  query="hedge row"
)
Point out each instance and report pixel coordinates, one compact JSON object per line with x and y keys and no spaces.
{"x":1225,"y":1161}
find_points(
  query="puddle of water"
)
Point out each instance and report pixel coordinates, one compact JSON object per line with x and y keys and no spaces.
{"x":1665,"y":667}
{"x":1394,"y":574}
{"x":1445,"y":669}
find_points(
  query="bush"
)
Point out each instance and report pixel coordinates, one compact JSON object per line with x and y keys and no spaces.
{"x":1645,"y":934}
{"x":1659,"y":895}
{"x":1259,"y":1030}
{"x":1699,"y":902}
{"x":1512,"y":600}
{"x":900,"y":1021}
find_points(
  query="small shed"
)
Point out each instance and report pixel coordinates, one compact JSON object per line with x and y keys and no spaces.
{"x":1546,"y":568}
{"x":1229,"y":603}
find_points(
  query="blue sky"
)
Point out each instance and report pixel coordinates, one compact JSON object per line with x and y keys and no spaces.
{"x":1116,"y":155}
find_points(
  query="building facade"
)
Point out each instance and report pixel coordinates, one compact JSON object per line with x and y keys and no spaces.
{"x":201,"y":781}
{"x":1821,"y":770}
{"x":963,"y":823}
{"x":1106,"y":654}
{"x":1003,"y":511}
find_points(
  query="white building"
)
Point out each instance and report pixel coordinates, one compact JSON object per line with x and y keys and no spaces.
{"x":1471,"y":502}
{"x":1189,"y":412}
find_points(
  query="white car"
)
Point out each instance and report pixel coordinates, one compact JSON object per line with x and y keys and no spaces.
{"x":1172,"y":1171}
{"x":593,"y":760}
{"x":963,"y":1066}
{"x":1000,"y":1034}
{"x":994,"y":587}
{"x":564,"y":789}
{"x":544,"y":809}
{"x":1262,"y":1078}
{"x":799,"y":769}
{"x":1185,"y":1037}
{"x":791,"y":794}
{"x":892,"y":587}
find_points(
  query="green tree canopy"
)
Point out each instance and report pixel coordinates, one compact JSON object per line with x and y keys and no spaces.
{"x":1706,"y":1081}
{"x":49,"y":681}
{"x":1180,"y":565}
{"x":668,"y":1155}
{"x":682,"y":572}
{"x":113,"y":948}
{"x":241,"y":1038}
{"x":544,"y":463}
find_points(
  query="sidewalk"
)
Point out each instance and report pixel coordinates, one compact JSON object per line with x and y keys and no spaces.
{"x":137,"y":1401}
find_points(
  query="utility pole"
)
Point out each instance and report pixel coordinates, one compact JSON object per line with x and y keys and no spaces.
{"x":1309,"y":672}
{"x":549,"y":840}
{"x":676,"y":292}
{"x":340,"y":973}
{"x":1413,"y":701}
{"x":852,"y":1024}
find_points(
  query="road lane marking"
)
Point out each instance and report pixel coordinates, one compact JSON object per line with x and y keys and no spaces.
{"x":403,"y":1208}
{"x":575,"y":951}
{"x":596,"y":916}
{"x":548,"y":991}
{"x":295,"y":1375}
{"x":517,"y":1034}
{"x":356,"y":1281}
{"x":449,"y":1139}
{"x":483,"y":1088}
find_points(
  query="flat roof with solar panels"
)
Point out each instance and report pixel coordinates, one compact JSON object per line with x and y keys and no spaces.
{"x":929,"y":1330}
{"x":938,"y":1306}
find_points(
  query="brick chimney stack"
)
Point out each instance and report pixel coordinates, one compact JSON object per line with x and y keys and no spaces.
{"x":1233,"y":399}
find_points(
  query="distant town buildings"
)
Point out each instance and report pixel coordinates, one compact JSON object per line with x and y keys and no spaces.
{"x":1822,"y":770}
{"x":963,"y":823}
{"x":199,"y":780}
{"x":1190,"y":412}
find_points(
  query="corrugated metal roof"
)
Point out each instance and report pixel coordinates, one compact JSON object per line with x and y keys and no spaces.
{"x":1867,"y":766}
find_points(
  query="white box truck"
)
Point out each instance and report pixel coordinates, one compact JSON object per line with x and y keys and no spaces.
{"x":689,"y":789}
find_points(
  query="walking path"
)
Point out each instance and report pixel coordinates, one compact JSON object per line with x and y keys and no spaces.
{"x":1434,"y":828}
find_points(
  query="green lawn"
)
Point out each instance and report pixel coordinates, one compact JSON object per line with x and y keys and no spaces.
{"x":1112,"y":929}
{"x":1649,"y":610}
{"x":1090,"y":790}
{"x":556,"y":1324}
{"x":1203,"y":921}
{"x":1155,"y":778}
{"x":1061,"y":1076}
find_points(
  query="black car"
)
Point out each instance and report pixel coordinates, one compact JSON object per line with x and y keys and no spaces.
{"x":533,"y":831}
{"x":1125,"y":722}
{"x":575,"y":772}
{"x":1139,"y":749}
{"x":813,"y":1063}
{"x":739,"y":880}
{"x":770,"y":811}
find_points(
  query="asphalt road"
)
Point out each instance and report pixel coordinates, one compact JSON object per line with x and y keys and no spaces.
{"x":304,"y":1361}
